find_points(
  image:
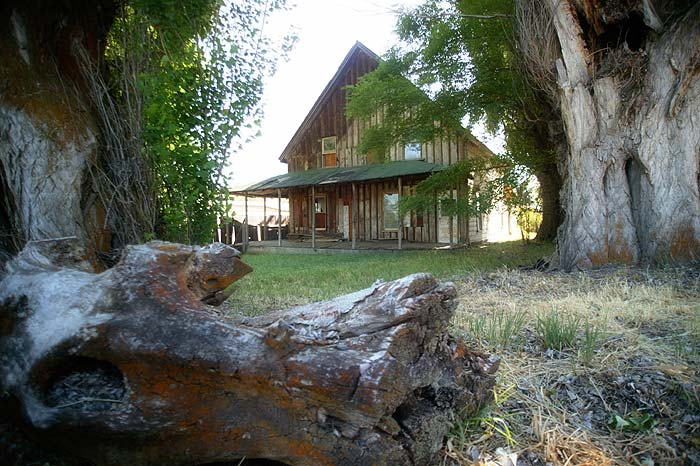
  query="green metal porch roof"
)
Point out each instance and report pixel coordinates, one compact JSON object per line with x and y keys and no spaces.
{"x":336,"y":175}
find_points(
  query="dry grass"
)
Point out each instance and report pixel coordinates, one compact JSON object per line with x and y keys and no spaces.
{"x":642,"y":367}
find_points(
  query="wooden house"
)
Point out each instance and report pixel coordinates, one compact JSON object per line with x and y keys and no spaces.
{"x":334,"y":191}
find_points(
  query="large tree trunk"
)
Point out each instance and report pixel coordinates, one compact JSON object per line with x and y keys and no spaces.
{"x":47,"y":137}
{"x":629,"y":82}
{"x":130,"y":367}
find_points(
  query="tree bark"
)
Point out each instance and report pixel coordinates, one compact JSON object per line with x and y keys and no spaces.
{"x":130,"y":367}
{"x":48,"y":138}
{"x":631,"y":109}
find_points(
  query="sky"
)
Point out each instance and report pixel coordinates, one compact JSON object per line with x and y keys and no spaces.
{"x":326,"y":31}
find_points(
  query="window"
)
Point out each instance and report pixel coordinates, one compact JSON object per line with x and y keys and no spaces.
{"x":391,"y":211}
{"x":412,"y":151}
{"x":320,"y":212}
{"x":328,"y":145}
{"x":328,"y":151}
{"x":320,"y":205}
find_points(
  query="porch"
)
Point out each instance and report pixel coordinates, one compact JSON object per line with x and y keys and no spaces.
{"x":324,"y":246}
{"x":360,"y":206}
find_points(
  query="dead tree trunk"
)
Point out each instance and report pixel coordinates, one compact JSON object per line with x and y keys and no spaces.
{"x":629,"y":89}
{"x":130,"y":367}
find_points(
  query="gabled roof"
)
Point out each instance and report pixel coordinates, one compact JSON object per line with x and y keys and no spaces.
{"x":358,"y":48}
{"x":335,"y":175}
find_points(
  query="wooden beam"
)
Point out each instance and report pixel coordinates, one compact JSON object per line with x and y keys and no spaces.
{"x":264,"y":232}
{"x":400,"y":235}
{"x":338,"y":209}
{"x":312,"y":211}
{"x":437,"y":219}
{"x":452,"y":228}
{"x":353,"y":208}
{"x":245,"y":225}
{"x":460,"y":232}
{"x":279,"y":217}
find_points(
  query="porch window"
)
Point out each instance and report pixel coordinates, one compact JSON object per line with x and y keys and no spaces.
{"x":412,"y":151}
{"x":391,"y":211}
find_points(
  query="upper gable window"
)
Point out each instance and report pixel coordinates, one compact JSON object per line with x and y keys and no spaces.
{"x":412,"y":151}
{"x":328,"y":145}
{"x":328,"y":151}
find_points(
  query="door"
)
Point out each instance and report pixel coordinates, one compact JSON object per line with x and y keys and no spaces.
{"x":321,"y":211}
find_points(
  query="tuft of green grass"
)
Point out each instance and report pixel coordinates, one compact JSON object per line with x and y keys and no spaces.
{"x":557,"y":331}
{"x":501,"y":329}
{"x":593,"y":334}
{"x":282,"y":280}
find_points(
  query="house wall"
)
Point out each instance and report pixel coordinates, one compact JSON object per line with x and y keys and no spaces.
{"x":427,"y":227}
{"x":332,"y":121}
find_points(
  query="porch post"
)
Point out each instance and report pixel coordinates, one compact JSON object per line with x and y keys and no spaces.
{"x":245,"y":225}
{"x":400,"y":216}
{"x":452,"y":228}
{"x":312,"y":212}
{"x":459,"y":219}
{"x":354,"y":216}
{"x":437,"y":219}
{"x":264,"y":232}
{"x":279,"y":217}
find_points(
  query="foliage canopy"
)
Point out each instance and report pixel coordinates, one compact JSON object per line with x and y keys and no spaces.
{"x":458,"y":60}
{"x":189,"y":75}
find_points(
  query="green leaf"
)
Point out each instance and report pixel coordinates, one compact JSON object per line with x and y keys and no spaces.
{"x":618,"y":423}
{"x":636,"y":422}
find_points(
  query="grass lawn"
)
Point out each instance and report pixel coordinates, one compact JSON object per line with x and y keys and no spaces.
{"x":281,"y":280}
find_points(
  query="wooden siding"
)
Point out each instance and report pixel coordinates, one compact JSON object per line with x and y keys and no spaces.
{"x":331,"y":120}
{"x":426,"y":226}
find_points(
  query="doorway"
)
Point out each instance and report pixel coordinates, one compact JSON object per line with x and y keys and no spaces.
{"x":321,"y":212}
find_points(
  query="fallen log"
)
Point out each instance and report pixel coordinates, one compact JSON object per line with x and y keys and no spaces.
{"x":130,"y":366}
